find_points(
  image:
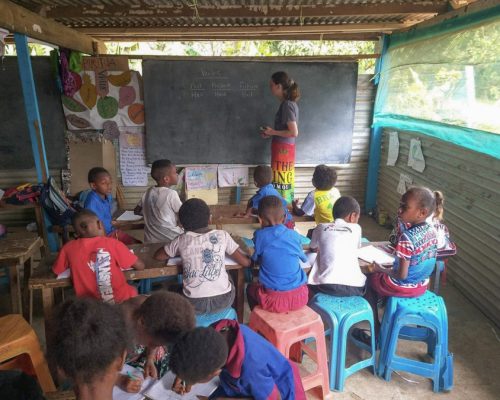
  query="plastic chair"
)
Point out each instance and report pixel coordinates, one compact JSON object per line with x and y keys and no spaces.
{"x":424,"y":319}
{"x":340,"y":314}
{"x":209,"y":319}
{"x":286,"y":329}
{"x":19,"y":341}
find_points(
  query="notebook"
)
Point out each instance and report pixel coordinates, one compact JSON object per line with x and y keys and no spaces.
{"x":119,"y":394}
{"x":129,"y":216}
{"x":373,"y":254}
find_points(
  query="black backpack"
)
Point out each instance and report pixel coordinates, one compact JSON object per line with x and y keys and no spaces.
{"x":56,"y":204}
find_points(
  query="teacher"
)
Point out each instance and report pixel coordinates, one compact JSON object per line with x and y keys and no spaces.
{"x":284,"y":133}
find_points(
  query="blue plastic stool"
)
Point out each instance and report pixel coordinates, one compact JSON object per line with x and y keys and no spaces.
{"x":424,"y":319}
{"x":209,"y":319}
{"x":340,"y":314}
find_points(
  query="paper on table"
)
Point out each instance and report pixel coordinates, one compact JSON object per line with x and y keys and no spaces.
{"x":65,"y":274}
{"x":119,"y":394}
{"x":129,"y":216}
{"x":161,"y":390}
{"x":372,"y":254}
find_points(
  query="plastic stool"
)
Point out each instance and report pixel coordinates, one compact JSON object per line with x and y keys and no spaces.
{"x":285,"y":329}
{"x":17,"y":339}
{"x":340,"y":314}
{"x":209,"y":319}
{"x":424,"y":319}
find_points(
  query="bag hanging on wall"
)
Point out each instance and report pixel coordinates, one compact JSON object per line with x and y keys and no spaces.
{"x":56,"y":204}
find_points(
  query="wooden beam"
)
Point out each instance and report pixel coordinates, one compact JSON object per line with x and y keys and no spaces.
{"x":237,"y":11}
{"x":17,"y":19}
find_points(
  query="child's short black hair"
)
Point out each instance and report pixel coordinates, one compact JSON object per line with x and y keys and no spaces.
{"x":344,"y":206}
{"x":160,"y":168}
{"x":324,"y":177}
{"x":271,"y":207}
{"x":88,"y":336}
{"x":263,"y":175}
{"x":166,"y":315}
{"x":424,"y":196}
{"x":84,"y":214}
{"x":95,"y":172}
{"x":198,"y":354}
{"x":194,"y":214}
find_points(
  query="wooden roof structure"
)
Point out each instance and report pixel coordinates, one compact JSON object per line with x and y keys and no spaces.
{"x":151,"y":20}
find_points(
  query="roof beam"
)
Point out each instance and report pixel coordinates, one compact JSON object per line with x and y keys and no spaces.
{"x":229,"y":33}
{"x":17,"y":19}
{"x":240,"y":11}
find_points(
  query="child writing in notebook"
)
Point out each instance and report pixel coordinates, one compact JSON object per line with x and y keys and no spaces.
{"x":99,"y":200}
{"x":154,"y":323}
{"x":336,"y":269}
{"x":96,"y":261}
{"x":206,"y":283}
{"x":319,"y":202}
{"x":160,"y":205}
{"x":88,"y":346}
{"x":282,"y":282}
{"x":415,"y":252}
{"x":263,"y":177}
{"x":247,"y":365}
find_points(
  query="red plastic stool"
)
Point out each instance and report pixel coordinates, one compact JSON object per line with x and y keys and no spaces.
{"x":284,"y":330}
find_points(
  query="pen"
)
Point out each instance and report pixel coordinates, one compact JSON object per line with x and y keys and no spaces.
{"x":133,"y":377}
{"x":183,"y":383}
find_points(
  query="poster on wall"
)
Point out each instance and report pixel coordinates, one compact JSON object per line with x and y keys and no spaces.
{"x":201,"y":178}
{"x":415,"y":156}
{"x":393,"y":151}
{"x":133,"y":157}
{"x":104,"y":99}
{"x":232,"y":175}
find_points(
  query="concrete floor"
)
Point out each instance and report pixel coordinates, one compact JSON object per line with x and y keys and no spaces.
{"x":473,"y":339}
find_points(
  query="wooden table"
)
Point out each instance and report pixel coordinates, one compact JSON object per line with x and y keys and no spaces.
{"x":15,"y":253}
{"x":46,"y":281}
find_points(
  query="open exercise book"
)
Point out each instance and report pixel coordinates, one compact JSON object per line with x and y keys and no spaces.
{"x":153,"y":389}
{"x":373,"y":254}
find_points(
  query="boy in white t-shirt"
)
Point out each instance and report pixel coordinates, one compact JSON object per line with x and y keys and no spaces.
{"x":336,"y":269}
{"x":205,"y":281}
{"x":160,"y":204}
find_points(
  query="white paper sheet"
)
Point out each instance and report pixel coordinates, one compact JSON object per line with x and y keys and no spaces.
{"x":393,"y":148}
{"x":133,"y":157}
{"x":65,"y":274}
{"x":161,"y":390}
{"x":129,"y":216}
{"x":405,"y":181}
{"x":119,"y":394}
{"x":372,"y":254}
{"x":232,"y":175}
{"x":415,"y":156}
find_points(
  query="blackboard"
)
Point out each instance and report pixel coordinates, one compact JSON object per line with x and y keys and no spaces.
{"x":210,"y":111}
{"x":15,"y":143}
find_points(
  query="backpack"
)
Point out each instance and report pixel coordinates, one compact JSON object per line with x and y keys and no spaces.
{"x":56,"y":204}
{"x":23,"y":194}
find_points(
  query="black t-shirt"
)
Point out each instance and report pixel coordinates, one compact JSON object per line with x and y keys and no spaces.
{"x":288,"y":112}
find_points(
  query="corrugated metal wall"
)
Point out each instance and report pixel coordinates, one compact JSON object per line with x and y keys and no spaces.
{"x":470,"y":182}
{"x":351,"y":177}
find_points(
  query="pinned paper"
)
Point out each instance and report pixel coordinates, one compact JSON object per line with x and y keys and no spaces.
{"x":133,"y":157}
{"x":201,"y":178}
{"x":405,"y":181}
{"x":232,"y":175}
{"x":416,"y":157}
{"x":393,"y":148}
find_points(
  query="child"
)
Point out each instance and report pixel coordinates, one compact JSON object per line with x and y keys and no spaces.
{"x":282,"y":282}
{"x":336,"y":268}
{"x":320,"y":201}
{"x":415,"y":255}
{"x":247,"y":364}
{"x":263,"y":176}
{"x":99,"y":201}
{"x":206,"y":283}
{"x":154,"y":323}
{"x":89,"y":346}
{"x":160,"y":205}
{"x":96,"y":261}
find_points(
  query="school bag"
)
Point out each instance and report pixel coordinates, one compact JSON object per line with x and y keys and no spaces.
{"x":26,"y":193}
{"x":56,"y":204}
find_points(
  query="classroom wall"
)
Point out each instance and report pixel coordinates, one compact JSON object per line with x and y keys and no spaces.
{"x":470,"y":182}
{"x":351,"y":177}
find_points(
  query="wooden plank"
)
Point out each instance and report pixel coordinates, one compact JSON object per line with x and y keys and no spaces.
{"x":146,"y":11}
{"x":20,"y":20}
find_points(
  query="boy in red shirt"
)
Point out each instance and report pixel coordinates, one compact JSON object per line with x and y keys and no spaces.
{"x":97,"y":261}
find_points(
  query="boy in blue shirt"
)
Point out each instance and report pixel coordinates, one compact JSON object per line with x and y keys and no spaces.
{"x":263,"y":176}
{"x":248,"y":365}
{"x":282,"y":282}
{"x":100,"y":201}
